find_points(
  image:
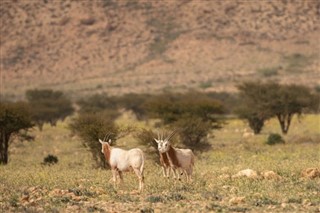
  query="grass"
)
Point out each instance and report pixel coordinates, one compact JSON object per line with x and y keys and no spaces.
{"x":74,"y":185}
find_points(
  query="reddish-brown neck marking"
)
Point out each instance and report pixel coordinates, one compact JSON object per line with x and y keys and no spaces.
{"x":164,"y":159}
{"x":173,"y":156}
{"x":107,"y":152}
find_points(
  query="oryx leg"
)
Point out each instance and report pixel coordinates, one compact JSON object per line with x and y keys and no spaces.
{"x":189,"y":173}
{"x":140,"y":177}
{"x":166,"y":171}
{"x":114,"y":176}
{"x":121,"y":176}
{"x":175,"y":174}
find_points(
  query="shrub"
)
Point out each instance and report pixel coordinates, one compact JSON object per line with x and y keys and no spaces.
{"x":274,"y":138}
{"x":50,"y":160}
{"x":193,"y":132}
{"x":193,"y":114}
{"x":90,"y":127}
{"x":146,"y":137}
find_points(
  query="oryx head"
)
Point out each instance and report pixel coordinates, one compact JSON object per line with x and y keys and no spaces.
{"x":164,"y":143}
{"x":104,"y":142}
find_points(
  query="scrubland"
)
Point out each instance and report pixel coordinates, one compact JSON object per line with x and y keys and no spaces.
{"x":75,"y":185}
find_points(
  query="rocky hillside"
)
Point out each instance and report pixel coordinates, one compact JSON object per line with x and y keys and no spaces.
{"x":122,"y":46}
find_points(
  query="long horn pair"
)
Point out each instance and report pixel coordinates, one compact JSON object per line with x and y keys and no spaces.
{"x":171,"y":135}
{"x":107,"y":136}
{"x":160,"y":135}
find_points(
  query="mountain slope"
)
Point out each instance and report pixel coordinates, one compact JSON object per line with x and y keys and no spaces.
{"x":83,"y":47}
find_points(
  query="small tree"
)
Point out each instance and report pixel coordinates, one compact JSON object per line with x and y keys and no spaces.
{"x":146,"y":137}
{"x":194,"y":114}
{"x":48,"y":106}
{"x":92,"y":126}
{"x":193,"y":132}
{"x":14,"y":117}
{"x":254,"y":98}
{"x":290,"y":100}
{"x":262,"y":101}
{"x":255,"y":119}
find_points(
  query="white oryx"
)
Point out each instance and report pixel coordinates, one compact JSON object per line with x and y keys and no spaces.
{"x":174,"y":158}
{"x":124,"y":160}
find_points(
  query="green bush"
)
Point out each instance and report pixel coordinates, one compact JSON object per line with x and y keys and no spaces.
{"x":146,"y":137}
{"x":193,"y":132}
{"x":50,"y":160}
{"x":193,"y":114}
{"x":274,"y":138}
{"x":91,"y":127}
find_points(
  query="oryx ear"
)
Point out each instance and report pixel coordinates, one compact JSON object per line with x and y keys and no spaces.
{"x":102,"y":142}
{"x":109,"y":142}
{"x":156,"y":140}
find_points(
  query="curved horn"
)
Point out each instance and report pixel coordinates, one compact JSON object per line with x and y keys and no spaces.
{"x":171,"y":135}
{"x":107,"y":136}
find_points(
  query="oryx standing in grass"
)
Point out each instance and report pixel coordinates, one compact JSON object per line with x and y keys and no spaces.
{"x":174,"y":158}
{"x":123,"y":160}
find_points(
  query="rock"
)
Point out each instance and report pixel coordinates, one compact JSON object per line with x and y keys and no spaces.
{"x":224,"y":176}
{"x":247,"y":173}
{"x":311,"y":173}
{"x":270,"y":175}
{"x":236,"y":200}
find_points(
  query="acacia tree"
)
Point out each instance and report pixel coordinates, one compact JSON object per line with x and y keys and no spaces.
{"x":261,"y":101}
{"x":193,"y":114}
{"x":253,"y":104}
{"x":14,"y":117}
{"x":48,"y":106}
{"x":290,"y":100}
